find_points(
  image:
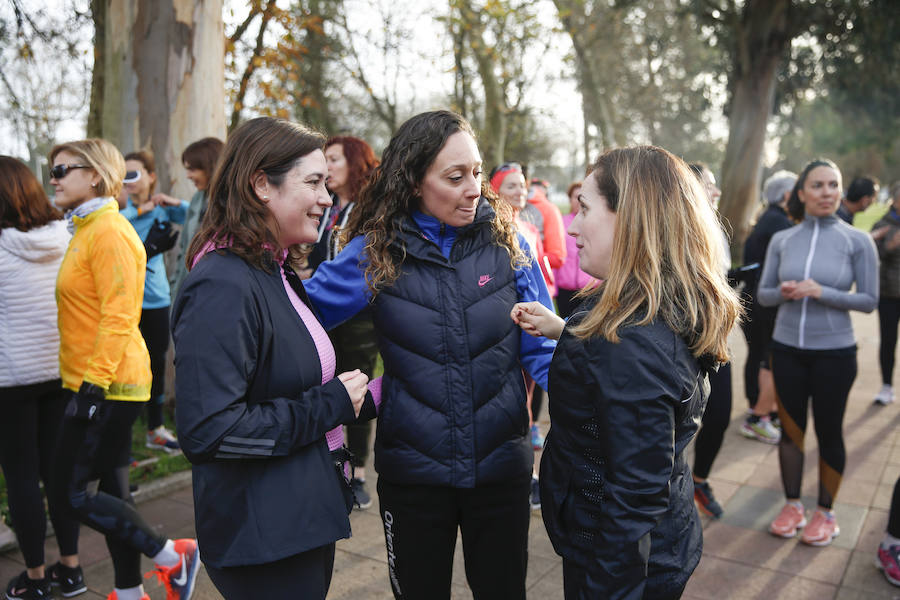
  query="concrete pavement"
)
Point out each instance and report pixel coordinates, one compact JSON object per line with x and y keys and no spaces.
{"x":740,"y":560}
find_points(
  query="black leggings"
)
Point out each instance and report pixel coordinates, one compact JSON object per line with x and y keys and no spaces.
{"x":826,"y":377}
{"x":420,"y":527}
{"x":306,"y":575}
{"x":715,"y":421}
{"x":888,"y":318}
{"x":757,"y":328}
{"x":93,"y":449}
{"x":893,"y":527}
{"x":355,"y":347}
{"x":29,"y":430}
{"x":154,"y":326}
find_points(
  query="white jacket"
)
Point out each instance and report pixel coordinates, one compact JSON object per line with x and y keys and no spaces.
{"x":29,"y":338}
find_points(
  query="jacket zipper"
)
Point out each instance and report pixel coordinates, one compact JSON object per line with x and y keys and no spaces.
{"x":806,"y":272}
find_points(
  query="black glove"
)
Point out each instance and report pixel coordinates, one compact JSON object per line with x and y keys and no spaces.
{"x":160,"y":238}
{"x":86,"y":403}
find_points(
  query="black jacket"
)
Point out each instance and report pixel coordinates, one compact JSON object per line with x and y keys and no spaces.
{"x":453,"y":410}
{"x":616,"y":491}
{"x":252,"y":416}
{"x":773,"y":220}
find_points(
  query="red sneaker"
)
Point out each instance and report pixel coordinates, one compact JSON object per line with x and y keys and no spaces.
{"x":788,"y":521}
{"x":888,"y":560}
{"x":179,"y":579}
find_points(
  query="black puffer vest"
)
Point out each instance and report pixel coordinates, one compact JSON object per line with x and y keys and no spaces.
{"x":453,"y":411}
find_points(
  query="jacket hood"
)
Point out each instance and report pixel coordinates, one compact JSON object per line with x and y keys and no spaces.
{"x":42,"y":244}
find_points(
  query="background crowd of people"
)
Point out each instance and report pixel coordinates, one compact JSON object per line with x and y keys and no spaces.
{"x":479,"y":296}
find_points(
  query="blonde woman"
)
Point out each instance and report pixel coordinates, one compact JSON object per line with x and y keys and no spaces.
{"x":105,"y":368}
{"x":628,"y":380}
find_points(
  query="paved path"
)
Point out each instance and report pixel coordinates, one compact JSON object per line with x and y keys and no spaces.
{"x":740,"y":559}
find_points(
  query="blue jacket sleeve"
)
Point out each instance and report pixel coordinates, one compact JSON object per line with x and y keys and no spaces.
{"x":338,"y":288}
{"x":177,"y":214}
{"x":214,"y":365}
{"x":129,"y":212}
{"x":534,"y":353}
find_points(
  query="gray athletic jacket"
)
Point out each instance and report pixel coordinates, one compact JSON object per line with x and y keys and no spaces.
{"x":834,"y":255}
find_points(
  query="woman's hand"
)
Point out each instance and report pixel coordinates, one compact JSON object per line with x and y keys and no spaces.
{"x":797,"y":290}
{"x":355,"y":383}
{"x":165,"y":200}
{"x":537,"y":320}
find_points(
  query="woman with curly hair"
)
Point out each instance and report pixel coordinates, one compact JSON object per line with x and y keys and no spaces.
{"x":437,"y":257}
{"x":630,"y":378}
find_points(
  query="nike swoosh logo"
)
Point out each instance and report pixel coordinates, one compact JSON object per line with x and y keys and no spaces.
{"x":181,"y":579}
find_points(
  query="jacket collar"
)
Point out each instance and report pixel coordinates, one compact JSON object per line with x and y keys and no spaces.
{"x":425,"y":237}
{"x":90,"y":210}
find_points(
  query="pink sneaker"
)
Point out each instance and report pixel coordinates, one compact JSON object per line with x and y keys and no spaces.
{"x":821,"y":530}
{"x":888,"y":560}
{"x":788,"y":521}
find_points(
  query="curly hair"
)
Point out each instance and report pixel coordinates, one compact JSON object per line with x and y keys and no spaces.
{"x":389,"y":197}
{"x":235,"y":216}
{"x":360,"y":161}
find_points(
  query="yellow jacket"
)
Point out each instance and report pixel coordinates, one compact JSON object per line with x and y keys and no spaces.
{"x":98,"y":293}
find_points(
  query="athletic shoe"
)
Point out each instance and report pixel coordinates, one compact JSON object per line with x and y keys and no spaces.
{"x":162,"y":439}
{"x":535,"y":493}
{"x":761,"y":429}
{"x":113,"y":596}
{"x":23,"y":588}
{"x":537,"y":440}
{"x":888,"y":560}
{"x":706,"y":502}
{"x":788,"y":521}
{"x":821,"y":530}
{"x":885,"y":396}
{"x":179,"y":579}
{"x":69,"y":580}
{"x":360,"y":493}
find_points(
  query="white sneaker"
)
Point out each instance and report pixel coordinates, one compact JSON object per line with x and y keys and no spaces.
{"x":162,"y":439}
{"x":885,"y":396}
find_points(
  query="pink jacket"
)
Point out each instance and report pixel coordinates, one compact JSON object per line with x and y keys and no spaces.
{"x":569,"y":276}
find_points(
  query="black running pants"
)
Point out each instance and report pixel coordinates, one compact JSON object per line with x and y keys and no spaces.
{"x":893,"y":527}
{"x":888,"y":319}
{"x":420,"y":527}
{"x":715,"y":421}
{"x":92,"y":450}
{"x":306,"y":575}
{"x":154,"y":326}
{"x":825,"y":377}
{"x":29,"y":431}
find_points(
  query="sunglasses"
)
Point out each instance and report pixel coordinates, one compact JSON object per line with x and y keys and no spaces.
{"x":60,"y":171}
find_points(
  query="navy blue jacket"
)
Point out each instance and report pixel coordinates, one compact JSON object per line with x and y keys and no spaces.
{"x":252,"y":417}
{"x":617,"y":495}
{"x":453,"y":398}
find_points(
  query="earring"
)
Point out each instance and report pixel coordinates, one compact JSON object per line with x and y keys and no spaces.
{"x":265,"y":197}
{"x":93,"y":185}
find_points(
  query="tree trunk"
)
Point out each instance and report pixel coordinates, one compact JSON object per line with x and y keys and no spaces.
{"x":95,"y":116}
{"x":761,"y":40}
{"x":164,"y":79}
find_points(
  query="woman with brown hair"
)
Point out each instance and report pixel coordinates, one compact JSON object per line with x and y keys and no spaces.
{"x":629,"y":378}
{"x":199,"y":159}
{"x":436,"y":255}
{"x":147,"y":211}
{"x":33,"y":239}
{"x":105,"y":369}
{"x":259,"y":406}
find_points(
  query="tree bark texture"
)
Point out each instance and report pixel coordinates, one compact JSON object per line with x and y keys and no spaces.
{"x":761,"y":38}
{"x":164,"y":79}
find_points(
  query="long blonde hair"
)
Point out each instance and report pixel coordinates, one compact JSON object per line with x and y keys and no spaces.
{"x":667,"y":254}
